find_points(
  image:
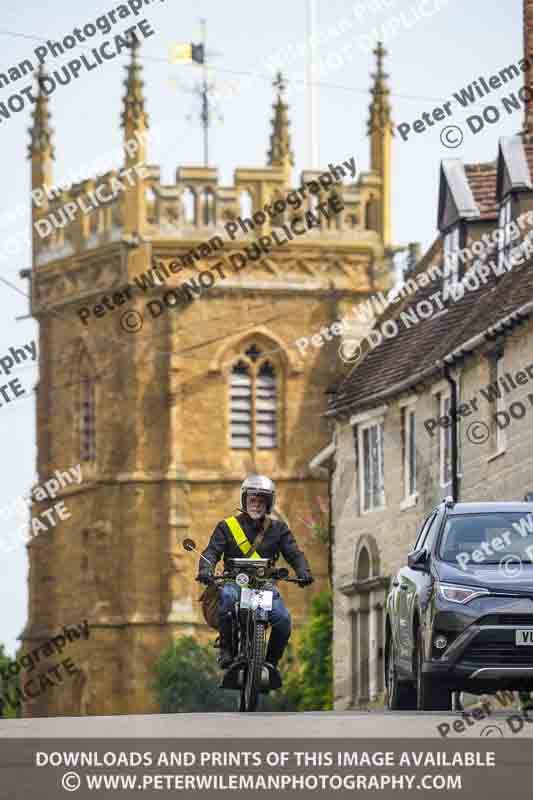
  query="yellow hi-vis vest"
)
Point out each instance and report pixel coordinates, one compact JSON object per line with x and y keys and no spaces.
{"x":240,"y":536}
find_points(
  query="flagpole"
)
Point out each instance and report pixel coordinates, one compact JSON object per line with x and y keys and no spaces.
{"x":205,"y":97}
{"x":312,"y":141}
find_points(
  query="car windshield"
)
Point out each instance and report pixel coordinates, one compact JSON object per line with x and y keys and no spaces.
{"x":500,"y":538}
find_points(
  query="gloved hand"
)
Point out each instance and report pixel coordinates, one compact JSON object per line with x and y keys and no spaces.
{"x":305,"y":579}
{"x":205,"y":577}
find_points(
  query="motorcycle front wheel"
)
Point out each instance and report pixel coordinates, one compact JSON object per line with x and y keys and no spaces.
{"x":250,"y":691}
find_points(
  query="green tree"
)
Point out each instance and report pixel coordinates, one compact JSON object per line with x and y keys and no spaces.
{"x":308,"y":675}
{"x":315,"y":656}
{"x":9,"y":697}
{"x":188,"y":676}
{"x":188,"y":679}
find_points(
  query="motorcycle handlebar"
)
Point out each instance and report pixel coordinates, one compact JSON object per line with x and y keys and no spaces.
{"x":229,"y":575}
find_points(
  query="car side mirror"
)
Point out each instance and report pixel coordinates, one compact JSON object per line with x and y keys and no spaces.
{"x":418,"y":560}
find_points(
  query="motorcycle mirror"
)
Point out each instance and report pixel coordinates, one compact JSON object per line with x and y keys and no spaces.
{"x":190,"y":544}
{"x":283,"y":572}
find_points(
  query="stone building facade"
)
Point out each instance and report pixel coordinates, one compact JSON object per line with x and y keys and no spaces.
{"x":168,"y":418}
{"x":392,"y":453}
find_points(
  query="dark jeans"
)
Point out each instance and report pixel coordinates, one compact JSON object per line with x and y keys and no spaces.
{"x":279,"y":618}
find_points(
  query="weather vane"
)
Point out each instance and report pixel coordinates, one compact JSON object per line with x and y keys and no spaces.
{"x":197,"y":54}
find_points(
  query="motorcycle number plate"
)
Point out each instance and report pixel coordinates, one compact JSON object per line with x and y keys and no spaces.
{"x":252,"y":598}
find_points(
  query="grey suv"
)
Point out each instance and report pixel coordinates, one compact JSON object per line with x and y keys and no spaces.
{"x":460,"y":613}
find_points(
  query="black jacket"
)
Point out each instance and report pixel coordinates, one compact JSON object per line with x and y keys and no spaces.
{"x":278,"y":540}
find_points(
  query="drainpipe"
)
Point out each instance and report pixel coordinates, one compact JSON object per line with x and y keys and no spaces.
{"x":453,"y":415}
{"x":330,"y":521}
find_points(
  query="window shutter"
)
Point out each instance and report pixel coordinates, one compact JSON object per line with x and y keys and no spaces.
{"x":241,"y":407}
{"x":265,"y":408}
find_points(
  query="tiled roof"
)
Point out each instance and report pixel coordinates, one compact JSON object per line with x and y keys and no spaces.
{"x":395,"y":364}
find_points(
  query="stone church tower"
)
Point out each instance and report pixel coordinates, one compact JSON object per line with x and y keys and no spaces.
{"x":166,"y":421}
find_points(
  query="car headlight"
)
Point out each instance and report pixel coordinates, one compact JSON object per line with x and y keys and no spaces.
{"x":455,"y":593}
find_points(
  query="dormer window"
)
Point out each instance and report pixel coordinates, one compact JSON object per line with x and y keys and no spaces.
{"x":452,"y":243}
{"x":504,"y":244}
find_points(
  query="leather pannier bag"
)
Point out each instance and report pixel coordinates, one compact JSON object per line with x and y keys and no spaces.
{"x":209,"y":601}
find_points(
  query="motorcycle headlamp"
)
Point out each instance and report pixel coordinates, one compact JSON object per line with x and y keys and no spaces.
{"x":242,"y":579}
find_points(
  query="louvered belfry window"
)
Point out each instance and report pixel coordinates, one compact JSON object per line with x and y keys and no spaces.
{"x":241,"y":407}
{"x":87,"y":422}
{"x":265,"y":407}
{"x":253,"y":402}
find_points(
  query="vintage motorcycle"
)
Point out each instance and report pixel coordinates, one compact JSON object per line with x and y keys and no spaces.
{"x":249,"y":673}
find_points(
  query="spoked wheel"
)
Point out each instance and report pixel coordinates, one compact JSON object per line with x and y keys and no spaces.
{"x":238,"y":651}
{"x":255,"y":666}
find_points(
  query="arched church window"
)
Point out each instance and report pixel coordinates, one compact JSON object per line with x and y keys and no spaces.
{"x":188,"y":200}
{"x":265,"y":407}
{"x":87,"y":419}
{"x":209,"y":207}
{"x":371,"y":214}
{"x":278,"y":218}
{"x":245,"y":204}
{"x":253,"y":402}
{"x":94,"y":222}
{"x":241,"y":407}
{"x":117,"y":219}
{"x":332,"y":220}
{"x":150,"y":199}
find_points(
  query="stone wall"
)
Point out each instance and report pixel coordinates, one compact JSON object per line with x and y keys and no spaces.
{"x":486,"y":475}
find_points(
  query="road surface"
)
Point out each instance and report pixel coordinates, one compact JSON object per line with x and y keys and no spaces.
{"x":325,"y":724}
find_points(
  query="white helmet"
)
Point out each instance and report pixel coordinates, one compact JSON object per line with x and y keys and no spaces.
{"x":259,"y":484}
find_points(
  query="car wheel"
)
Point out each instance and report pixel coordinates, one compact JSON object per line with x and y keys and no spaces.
{"x":430,"y":697}
{"x":400,"y":696}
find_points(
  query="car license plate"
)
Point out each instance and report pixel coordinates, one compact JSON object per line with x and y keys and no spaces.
{"x":252,"y":598}
{"x":524,"y":636}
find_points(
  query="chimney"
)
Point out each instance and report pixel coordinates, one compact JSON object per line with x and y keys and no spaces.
{"x":413,"y":257}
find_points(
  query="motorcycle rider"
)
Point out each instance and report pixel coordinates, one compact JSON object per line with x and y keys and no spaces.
{"x":232,"y":538}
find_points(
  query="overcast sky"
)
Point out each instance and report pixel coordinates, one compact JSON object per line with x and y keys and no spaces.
{"x":427,"y":62}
